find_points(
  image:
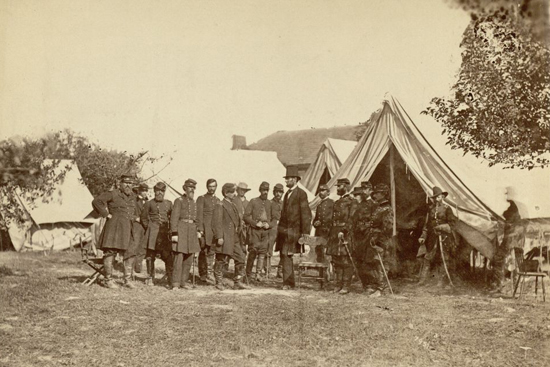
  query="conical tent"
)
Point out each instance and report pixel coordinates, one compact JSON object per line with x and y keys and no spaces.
{"x":331,"y":155}
{"x":392,"y":136}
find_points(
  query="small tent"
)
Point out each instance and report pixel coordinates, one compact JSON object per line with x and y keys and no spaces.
{"x":251,"y":167}
{"x":62,"y":220}
{"x":394,"y":151}
{"x":331,"y":155}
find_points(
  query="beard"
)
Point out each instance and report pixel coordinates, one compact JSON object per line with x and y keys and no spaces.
{"x":263,"y":196}
{"x":127,"y":190}
{"x":341,"y":191}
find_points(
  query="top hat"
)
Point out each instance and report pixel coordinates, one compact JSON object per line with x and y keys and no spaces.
{"x":437,"y":191}
{"x":292,"y":171}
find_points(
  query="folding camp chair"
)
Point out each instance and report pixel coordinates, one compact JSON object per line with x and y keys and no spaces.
{"x":313,"y":258}
{"x":531,"y":265}
{"x":90,"y":258}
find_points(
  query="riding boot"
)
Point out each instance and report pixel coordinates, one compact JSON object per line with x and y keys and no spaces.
{"x":425,"y":272}
{"x":338,"y":275}
{"x":150,"y":263}
{"x":108,"y":266}
{"x":347,"y":275}
{"x":259,"y":267}
{"x":210,"y":262}
{"x":267,"y":266}
{"x":128,"y":268}
{"x":250,"y":264}
{"x":218,"y":275}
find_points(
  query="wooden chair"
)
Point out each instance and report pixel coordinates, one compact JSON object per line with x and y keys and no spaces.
{"x":313,"y":258}
{"x":90,"y":258}
{"x":531,"y":265}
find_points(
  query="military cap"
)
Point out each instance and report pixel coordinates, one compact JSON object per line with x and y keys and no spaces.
{"x":278,"y":187}
{"x":437,"y":191}
{"x":323,"y":188}
{"x":366,"y":185}
{"x":160,"y":186}
{"x":357,"y":191}
{"x":126,"y":179}
{"x":190,"y":183}
{"x":383,"y":188}
{"x":228,"y":187}
{"x":342,"y":181}
{"x":264,"y":186}
{"x":143,"y":187}
{"x":292,"y":171}
{"x":243,"y":186}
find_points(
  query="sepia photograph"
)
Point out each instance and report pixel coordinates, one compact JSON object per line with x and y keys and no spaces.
{"x":274,"y":183}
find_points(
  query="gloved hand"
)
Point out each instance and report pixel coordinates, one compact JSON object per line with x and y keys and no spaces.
{"x":220,"y":241}
{"x":443,"y":228}
{"x":199,"y":234}
{"x":174,"y":239}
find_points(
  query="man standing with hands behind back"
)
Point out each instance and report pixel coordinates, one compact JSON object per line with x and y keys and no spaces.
{"x":295,"y":223}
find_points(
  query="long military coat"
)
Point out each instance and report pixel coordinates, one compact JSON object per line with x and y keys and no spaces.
{"x":183,"y":223}
{"x":117,"y":231}
{"x":225,"y":225}
{"x":205,"y":210}
{"x":382,"y":230}
{"x":361,"y":227}
{"x":276,"y":207}
{"x":155,"y":217}
{"x":136,"y":245}
{"x":324,"y":216}
{"x":341,"y":222}
{"x":295,"y":221}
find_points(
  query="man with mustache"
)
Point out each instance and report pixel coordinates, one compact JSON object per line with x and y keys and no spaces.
{"x":118,"y":207}
{"x":185,"y":235}
{"x":205,"y":209}
{"x":259,"y":216}
{"x":155,"y":218}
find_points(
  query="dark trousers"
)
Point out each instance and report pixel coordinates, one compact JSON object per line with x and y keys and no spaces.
{"x":288,"y":270}
{"x":182,"y":266}
{"x":165,"y":255}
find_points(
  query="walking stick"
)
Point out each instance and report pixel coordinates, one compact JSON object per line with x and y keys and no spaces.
{"x":443,"y":258}
{"x":194,"y":258}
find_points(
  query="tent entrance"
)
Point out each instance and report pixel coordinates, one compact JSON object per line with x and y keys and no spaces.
{"x":325,"y":177}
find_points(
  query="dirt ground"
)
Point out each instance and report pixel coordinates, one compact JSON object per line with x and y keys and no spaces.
{"x":47,"y":318}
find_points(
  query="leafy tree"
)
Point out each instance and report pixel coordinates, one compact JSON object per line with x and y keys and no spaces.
{"x":500,"y":107}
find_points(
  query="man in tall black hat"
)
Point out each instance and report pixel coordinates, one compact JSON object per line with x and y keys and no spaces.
{"x":340,"y":239}
{"x":155,"y":218}
{"x":438,"y":227}
{"x":185,"y":234}
{"x":118,"y":207}
{"x":205,"y":210}
{"x":295,"y":223}
{"x":259,"y":216}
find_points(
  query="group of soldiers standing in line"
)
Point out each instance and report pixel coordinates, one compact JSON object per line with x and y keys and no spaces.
{"x":357,"y":228}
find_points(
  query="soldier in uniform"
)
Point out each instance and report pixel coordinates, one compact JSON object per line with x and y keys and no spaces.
{"x":185,"y":234}
{"x":439,"y":224}
{"x":137,"y":227}
{"x":323,"y":221}
{"x":361,"y":230}
{"x":226,"y":226}
{"x":205,"y":208}
{"x":295,"y":223}
{"x":380,"y":236}
{"x":339,"y":236}
{"x":118,"y":206}
{"x":259,"y":216}
{"x":276,"y":207}
{"x":155,"y":218}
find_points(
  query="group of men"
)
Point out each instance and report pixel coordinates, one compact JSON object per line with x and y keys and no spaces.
{"x":356,"y":230}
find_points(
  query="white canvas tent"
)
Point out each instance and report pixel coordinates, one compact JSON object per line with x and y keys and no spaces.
{"x":331,"y":155}
{"x":63,"y":221}
{"x":251,"y":167}
{"x":391,"y":137}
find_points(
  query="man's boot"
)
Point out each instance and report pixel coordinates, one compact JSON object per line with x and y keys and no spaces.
{"x":267,"y":266}
{"x":347,"y":275}
{"x":218,"y":275}
{"x":150,"y":264}
{"x":250,"y":264}
{"x":338,"y":278}
{"x":440,"y":277}
{"x":259,"y":267}
{"x":279,"y":271}
{"x":210,"y":262}
{"x":425,"y":272}
{"x":108,"y":267}
{"x":128,"y":268}
{"x":238,"y":280}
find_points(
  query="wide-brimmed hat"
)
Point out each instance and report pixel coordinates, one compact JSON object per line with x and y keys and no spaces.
{"x":437,"y":191}
{"x":292,"y":171}
{"x":243,"y":186}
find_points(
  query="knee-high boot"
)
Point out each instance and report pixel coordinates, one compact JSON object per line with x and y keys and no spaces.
{"x":108,"y":266}
{"x":259,"y":266}
{"x":128,"y":269}
{"x":338,"y":275}
{"x":150,"y":263}
{"x":347,"y":275}
{"x":218,"y":275}
{"x":425,"y":272}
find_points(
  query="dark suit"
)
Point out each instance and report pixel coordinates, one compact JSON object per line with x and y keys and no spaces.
{"x":295,"y":221}
{"x":226,"y":225}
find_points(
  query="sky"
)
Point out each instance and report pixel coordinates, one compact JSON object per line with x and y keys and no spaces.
{"x":161,"y":75}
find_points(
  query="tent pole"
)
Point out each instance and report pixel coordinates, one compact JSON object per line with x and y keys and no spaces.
{"x":392,"y":185}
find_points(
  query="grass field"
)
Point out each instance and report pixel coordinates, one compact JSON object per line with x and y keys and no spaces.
{"x":47,"y":318}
